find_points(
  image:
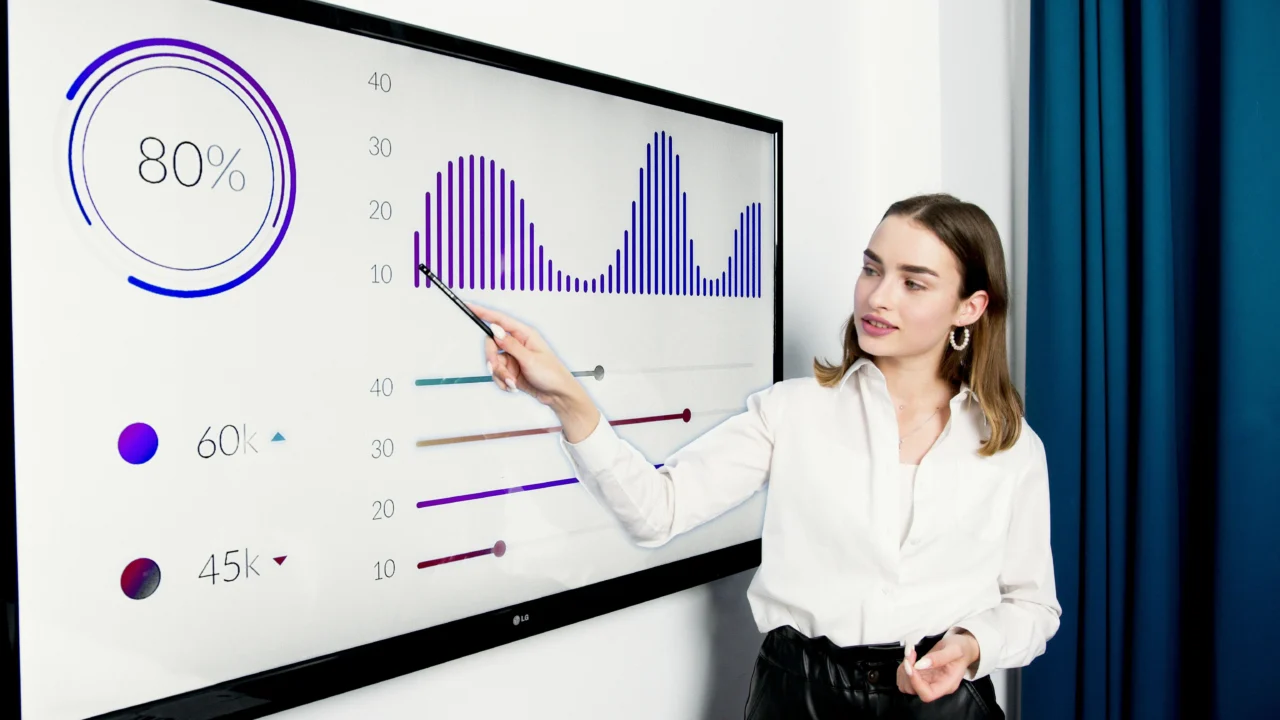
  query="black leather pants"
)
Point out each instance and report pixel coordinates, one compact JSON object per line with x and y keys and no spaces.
{"x":797,"y":677}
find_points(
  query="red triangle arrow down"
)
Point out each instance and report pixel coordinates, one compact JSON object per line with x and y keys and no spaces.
{"x":280,"y":560}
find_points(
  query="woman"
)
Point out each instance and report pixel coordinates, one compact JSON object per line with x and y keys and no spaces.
{"x":905,"y":549}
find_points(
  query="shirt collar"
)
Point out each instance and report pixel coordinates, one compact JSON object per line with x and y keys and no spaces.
{"x":864,"y":364}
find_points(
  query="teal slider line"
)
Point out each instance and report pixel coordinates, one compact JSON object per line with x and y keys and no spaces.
{"x":421,"y":382}
{"x":597,"y":373}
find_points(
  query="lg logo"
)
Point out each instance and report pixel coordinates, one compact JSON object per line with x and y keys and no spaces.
{"x":517,"y":619}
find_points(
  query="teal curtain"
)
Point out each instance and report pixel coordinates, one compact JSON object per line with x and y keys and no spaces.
{"x":1153,"y":330}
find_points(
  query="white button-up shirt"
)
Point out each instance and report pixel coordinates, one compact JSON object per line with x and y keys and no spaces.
{"x":834,"y":562}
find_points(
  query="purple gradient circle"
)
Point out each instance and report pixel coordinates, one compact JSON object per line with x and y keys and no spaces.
{"x":138,"y":443}
{"x":140,"y":578}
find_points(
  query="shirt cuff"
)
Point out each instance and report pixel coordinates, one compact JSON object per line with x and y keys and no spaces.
{"x":596,"y":452}
{"x":988,"y":646}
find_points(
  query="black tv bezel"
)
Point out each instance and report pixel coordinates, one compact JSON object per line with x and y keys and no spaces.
{"x":297,"y":684}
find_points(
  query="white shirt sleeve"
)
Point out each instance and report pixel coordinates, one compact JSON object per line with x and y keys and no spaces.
{"x":715,"y":472}
{"x":1016,"y":631}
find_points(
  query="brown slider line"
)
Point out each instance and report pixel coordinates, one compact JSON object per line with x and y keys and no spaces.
{"x":539,"y":431}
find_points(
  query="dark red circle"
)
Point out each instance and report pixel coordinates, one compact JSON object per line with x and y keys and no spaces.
{"x":499,"y":549}
{"x":686,"y":415}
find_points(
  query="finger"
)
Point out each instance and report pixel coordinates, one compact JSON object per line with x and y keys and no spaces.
{"x":512,"y":345}
{"x":523,"y":333}
{"x":491,"y":353}
{"x":498,"y":371}
{"x":904,"y":684}
{"x":920,"y":686}
{"x":939,"y":657}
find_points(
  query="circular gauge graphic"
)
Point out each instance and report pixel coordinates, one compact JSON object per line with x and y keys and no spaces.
{"x":180,"y":166}
{"x":140,"y":578}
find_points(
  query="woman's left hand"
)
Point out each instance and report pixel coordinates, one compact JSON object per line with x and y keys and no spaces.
{"x":940,"y":671}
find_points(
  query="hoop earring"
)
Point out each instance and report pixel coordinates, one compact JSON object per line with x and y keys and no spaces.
{"x":952,"y":337}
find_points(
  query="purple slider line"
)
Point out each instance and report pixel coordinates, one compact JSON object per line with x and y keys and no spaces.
{"x":494,"y":493}
{"x":541,"y":267}
{"x":482,"y":253}
{"x":417,"y":258}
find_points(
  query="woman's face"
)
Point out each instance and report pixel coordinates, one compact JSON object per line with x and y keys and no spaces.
{"x":907,"y":295}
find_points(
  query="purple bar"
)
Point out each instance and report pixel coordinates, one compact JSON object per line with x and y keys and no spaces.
{"x":747,"y":243}
{"x":541,"y":267}
{"x":449,"y":263}
{"x":559,"y":286}
{"x":576,"y":286}
{"x":610,"y":290}
{"x":617,"y":262}
{"x":513,"y":234}
{"x":502,"y":230}
{"x":439,"y":228}
{"x":699,"y":284}
{"x":530,"y":260}
{"x":521,"y":249}
{"x":471,"y":224}
{"x":462,"y":214}
{"x":593,"y":284}
{"x":494,"y":493}
{"x":742,"y":239}
{"x":759,"y":252}
{"x":417,"y":276}
{"x":482,"y":278}
{"x":428,"y":235}
{"x":492,"y":217}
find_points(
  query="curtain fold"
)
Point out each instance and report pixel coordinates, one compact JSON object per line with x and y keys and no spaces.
{"x":1153,"y":254}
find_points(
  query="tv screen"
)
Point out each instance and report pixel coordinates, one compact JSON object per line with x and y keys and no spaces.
{"x":257,"y":456}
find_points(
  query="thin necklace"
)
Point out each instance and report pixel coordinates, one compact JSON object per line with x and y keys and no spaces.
{"x":926,"y":422}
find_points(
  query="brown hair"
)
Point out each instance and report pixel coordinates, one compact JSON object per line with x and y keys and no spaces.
{"x":984,"y":364}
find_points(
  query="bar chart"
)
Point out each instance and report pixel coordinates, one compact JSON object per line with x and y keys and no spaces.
{"x":478,"y":234}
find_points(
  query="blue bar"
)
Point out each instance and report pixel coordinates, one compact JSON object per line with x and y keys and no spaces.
{"x":663,"y":251}
{"x":644,"y":232}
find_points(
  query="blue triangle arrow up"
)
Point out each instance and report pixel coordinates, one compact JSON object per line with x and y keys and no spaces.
{"x":278,"y":438}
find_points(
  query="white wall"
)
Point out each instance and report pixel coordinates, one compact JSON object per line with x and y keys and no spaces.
{"x":879,"y":100}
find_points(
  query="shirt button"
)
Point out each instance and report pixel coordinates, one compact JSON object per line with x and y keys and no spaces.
{"x":873,"y":677}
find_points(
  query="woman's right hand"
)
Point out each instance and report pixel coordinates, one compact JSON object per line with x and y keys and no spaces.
{"x":525,"y":363}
